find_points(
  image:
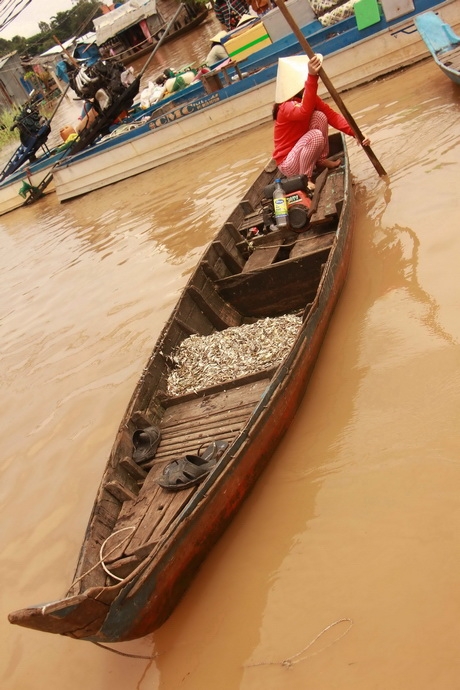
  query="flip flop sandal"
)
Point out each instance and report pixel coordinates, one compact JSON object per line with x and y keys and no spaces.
{"x":191,"y":469}
{"x":145,"y":443}
{"x":213,"y":451}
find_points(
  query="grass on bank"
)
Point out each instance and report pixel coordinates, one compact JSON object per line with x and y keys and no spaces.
{"x":8,"y":137}
{"x":6,"y":120}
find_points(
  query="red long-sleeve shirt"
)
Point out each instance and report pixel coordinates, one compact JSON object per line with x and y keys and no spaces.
{"x":294,"y":116}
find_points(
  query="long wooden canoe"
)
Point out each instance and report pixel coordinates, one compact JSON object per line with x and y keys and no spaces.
{"x":144,"y":542}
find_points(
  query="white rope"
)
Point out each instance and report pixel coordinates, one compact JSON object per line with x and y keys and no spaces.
{"x":122,"y":129}
{"x":99,"y":562}
{"x":101,"y":558}
{"x":131,"y":656}
{"x":290,"y":661}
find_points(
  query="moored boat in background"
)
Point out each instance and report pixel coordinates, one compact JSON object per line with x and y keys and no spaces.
{"x":442,"y":42}
{"x":132,"y":29}
{"x":222,"y":104}
{"x":193,"y":119}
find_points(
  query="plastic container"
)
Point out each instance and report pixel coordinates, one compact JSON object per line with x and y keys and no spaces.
{"x":280,"y":205}
{"x":66,"y":131}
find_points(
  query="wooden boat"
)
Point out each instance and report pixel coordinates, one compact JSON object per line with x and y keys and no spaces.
{"x":132,"y":29}
{"x":143,"y":542}
{"x":442,"y":42}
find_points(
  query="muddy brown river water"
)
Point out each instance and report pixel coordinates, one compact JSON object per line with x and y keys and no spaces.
{"x":344,"y":560}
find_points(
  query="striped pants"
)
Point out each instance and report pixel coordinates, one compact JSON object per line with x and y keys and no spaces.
{"x":310,"y":148}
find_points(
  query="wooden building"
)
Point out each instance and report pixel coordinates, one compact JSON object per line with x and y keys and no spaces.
{"x":13,"y":90}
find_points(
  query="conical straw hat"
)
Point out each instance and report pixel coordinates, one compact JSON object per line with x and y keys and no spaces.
{"x":218,"y":37}
{"x":291,"y":76}
{"x":246,"y":18}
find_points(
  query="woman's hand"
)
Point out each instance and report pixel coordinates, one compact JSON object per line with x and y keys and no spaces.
{"x":314,"y":65}
{"x":366,"y":142}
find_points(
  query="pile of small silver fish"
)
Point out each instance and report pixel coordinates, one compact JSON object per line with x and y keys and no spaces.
{"x":203,"y":361}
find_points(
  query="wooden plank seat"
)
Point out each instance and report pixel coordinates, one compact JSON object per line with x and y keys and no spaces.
{"x":279,"y":245}
{"x":267,"y":248}
{"x":256,"y":292}
{"x":262,"y":256}
{"x":216,"y":310}
{"x":310,"y":244}
{"x":186,"y":427}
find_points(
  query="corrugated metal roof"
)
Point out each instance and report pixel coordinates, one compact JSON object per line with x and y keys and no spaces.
{"x":5,"y":58}
{"x":57,"y":48}
{"x":122,"y":18}
{"x":90,"y":37}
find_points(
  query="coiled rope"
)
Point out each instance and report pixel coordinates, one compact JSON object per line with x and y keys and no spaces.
{"x":101,"y":560}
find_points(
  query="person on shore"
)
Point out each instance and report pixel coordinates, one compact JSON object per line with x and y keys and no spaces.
{"x":301,"y":119}
{"x":229,"y":12}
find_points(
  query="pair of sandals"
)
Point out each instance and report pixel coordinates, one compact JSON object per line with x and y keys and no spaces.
{"x":180,"y":473}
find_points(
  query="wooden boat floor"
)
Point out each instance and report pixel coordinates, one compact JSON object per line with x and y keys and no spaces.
{"x":187,"y":427}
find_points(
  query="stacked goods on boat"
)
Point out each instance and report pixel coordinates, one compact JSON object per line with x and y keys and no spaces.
{"x":246,"y":40}
{"x":324,"y":12}
{"x":329,"y":12}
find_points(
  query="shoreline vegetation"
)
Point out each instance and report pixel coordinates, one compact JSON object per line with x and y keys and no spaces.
{"x":74,"y":22}
{"x":64,"y":25}
{"x":10,"y":138}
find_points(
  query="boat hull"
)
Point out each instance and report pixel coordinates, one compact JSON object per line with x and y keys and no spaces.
{"x":147,"y":605}
{"x":10,"y":199}
{"x":184,"y":133}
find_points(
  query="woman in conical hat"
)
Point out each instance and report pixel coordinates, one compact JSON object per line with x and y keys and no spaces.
{"x":302,"y":118}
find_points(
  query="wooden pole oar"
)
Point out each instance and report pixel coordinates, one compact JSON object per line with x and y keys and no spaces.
{"x":330,"y":87}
